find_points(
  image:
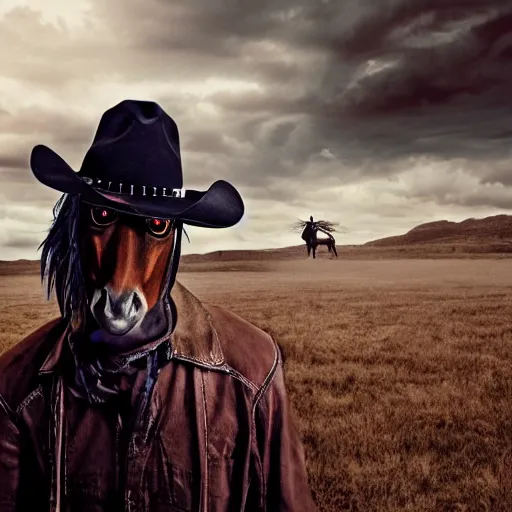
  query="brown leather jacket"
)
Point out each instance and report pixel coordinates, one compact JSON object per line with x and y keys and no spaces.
{"x":217,"y":435}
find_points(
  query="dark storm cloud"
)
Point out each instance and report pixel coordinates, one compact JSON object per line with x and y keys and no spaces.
{"x":469,"y":132}
{"x":322,"y":94}
{"x":364,"y":74}
{"x":503,"y":176}
{"x":478,"y":200}
{"x":393,"y":78}
{"x":178,"y":40}
{"x":457,"y":54}
{"x":440,"y":83}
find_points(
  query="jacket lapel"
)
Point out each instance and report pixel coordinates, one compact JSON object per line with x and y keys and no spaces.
{"x":194,"y":338}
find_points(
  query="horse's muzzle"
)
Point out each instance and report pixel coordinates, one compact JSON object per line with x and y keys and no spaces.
{"x":118,"y":313}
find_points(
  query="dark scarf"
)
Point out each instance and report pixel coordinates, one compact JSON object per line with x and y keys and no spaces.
{"x":99,"y":377}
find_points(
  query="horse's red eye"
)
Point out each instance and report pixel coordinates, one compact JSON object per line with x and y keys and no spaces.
{"x":103,"y":216}
{"x":159,"y":227}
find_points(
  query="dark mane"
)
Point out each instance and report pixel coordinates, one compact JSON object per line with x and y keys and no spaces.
{"x":60,"y":259}
{"x":326,"y":225}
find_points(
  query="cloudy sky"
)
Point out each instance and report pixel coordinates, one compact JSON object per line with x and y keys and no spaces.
{"x":378,"y":114}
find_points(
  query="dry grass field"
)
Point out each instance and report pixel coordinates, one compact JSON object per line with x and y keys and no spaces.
{"x":399,"y":371}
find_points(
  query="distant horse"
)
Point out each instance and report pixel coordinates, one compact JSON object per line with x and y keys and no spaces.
{"x":309,"y":235}
{"x":329,"y":242}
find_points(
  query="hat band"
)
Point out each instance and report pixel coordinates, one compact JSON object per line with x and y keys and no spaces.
{"x":133,"y":190}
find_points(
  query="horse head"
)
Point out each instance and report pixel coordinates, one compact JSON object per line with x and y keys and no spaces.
{"x":125,"y":262}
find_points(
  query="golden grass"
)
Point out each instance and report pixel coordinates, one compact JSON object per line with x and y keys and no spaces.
{"x":400,"y":372}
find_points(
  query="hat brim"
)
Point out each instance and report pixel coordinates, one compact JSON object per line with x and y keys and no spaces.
{"x":220,"y":206}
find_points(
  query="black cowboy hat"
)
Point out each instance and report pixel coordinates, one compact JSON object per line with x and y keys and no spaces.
{"x":134,"y":166}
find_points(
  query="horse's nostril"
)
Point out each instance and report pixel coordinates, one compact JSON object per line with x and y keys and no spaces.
{"x":103,"y":299}
{"x":137,"y":302}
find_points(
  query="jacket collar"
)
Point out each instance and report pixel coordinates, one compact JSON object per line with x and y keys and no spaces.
{"x":194,"y":338}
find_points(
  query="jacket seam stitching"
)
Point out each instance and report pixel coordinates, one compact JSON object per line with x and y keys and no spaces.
{"x":201,"y":364}
{"x":270,"y":375}
{"x":207,"y":454}
{"x":225,"y":369}
{"x":266,"y":383}
{"x":244,"y":380}
{"x":37,"y":392}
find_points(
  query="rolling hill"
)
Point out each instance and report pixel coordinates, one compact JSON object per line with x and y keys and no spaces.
{"x":491,"y":230}
{"x":471,"y":238}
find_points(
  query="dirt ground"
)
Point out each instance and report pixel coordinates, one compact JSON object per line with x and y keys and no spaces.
{"x":399,"y":371}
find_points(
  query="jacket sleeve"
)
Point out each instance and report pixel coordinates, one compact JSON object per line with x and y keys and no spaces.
{"x":283,"y":465}
{"x":9,"y":459}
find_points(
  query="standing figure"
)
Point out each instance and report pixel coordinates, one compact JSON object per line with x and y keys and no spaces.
{"x":309,"y":235}
{"x":140,"y":397}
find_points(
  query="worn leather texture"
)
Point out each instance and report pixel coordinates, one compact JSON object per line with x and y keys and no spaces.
{"x":217,"y":434}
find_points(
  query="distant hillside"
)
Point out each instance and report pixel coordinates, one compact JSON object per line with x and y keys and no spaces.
{"x":471,"y":238}
{"x":20,"y":267}
{"x":255,"y":254}
{"x":492,"y":234}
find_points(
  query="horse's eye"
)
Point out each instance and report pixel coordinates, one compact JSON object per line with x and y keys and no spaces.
{"x":159,"y":227}
{"x":103,"y":216}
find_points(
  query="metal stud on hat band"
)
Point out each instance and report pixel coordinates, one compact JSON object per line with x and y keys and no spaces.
{"x":136,"y":190}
